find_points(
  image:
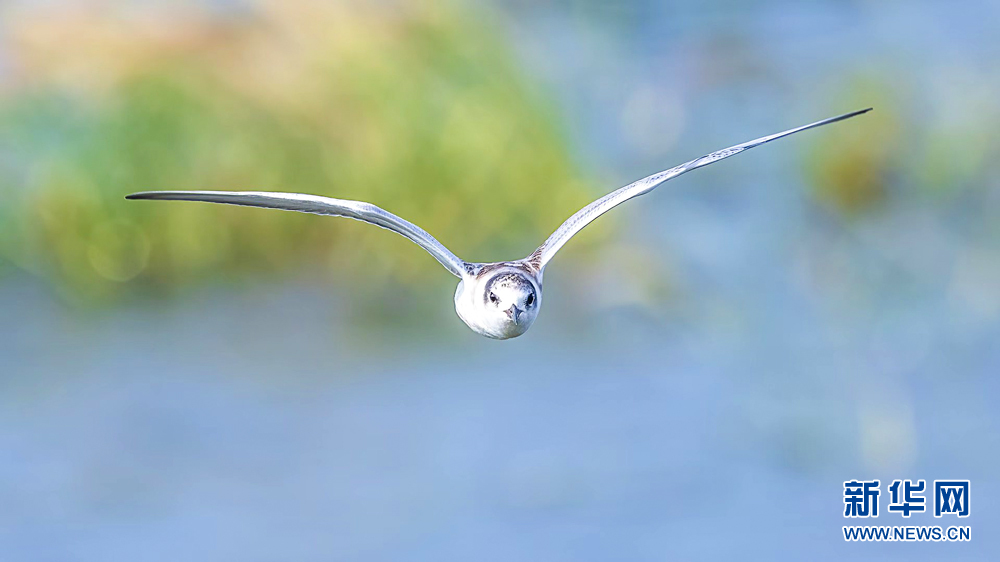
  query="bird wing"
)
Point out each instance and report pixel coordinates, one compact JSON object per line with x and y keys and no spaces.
{"x":315,"y":204}
{"x":588,"y":214}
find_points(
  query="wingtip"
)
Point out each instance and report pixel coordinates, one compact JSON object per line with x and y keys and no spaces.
{"x":847,"y":115}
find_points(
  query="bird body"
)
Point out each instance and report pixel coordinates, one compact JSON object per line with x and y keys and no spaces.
{"x":498,"y":300}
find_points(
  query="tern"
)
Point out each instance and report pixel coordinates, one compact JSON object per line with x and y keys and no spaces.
{"x":498,"y":300}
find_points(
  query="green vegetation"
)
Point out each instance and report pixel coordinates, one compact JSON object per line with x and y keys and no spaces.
{"x":419,"y":112}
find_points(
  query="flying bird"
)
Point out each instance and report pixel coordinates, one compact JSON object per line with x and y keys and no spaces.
{"x":498,"y":300}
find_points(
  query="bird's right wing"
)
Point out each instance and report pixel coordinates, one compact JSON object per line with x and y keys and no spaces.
{"x":588,"y":214}
{"x":315,"y":204}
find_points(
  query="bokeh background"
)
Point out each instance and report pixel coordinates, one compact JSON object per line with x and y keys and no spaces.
{"x":714,"y":360}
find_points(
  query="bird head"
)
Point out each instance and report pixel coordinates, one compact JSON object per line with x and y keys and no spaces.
{"x":510,"y":302}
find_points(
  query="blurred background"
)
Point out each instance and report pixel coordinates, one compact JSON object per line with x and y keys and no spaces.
{"x":714,"y":360}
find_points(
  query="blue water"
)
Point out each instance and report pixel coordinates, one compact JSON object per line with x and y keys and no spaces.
{"x":242,"y":425}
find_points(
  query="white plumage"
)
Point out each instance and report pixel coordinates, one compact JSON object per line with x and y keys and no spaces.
{"x":498,"y":300}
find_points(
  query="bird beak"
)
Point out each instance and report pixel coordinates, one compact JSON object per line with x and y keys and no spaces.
{"x":513,"y":312}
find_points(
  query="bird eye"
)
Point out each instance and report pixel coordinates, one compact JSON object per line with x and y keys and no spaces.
{"x":531,"y":299}
{"x":493,"y":298}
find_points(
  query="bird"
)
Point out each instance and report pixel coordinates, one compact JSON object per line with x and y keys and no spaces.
{"x":498,"y":300}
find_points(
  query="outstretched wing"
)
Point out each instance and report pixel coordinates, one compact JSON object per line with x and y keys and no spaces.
{"x":315,"y":204}
{"x":586,"y":215}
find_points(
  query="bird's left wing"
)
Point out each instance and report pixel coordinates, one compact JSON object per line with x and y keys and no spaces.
{"x":586,"y":215}
{"x":358,"y":210}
